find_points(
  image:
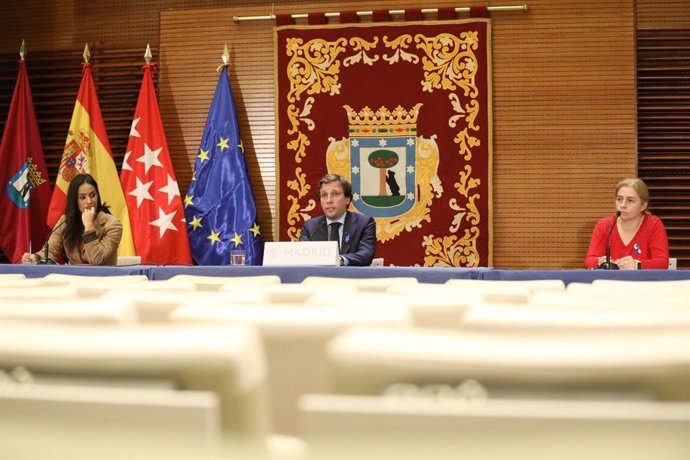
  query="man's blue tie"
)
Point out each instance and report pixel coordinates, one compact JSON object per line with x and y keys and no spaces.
{"x":334,"y":234}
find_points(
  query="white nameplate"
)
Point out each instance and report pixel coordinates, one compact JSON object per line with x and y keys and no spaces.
{"x":301,"y":253}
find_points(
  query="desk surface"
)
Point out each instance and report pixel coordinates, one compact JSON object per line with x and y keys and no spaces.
{"x":39,"y":271}
{"x":296,"y":274}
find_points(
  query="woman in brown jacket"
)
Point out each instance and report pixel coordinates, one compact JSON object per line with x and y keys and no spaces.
{"x":86,"y":233}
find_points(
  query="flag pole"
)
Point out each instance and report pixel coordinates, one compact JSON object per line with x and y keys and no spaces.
{"x":147,"y":55}
{"x":86,"y":54}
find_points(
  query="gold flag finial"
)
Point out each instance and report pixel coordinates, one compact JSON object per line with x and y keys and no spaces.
{"x":147,"y":55}
{"x":226,"y":55}
{"x":87,"y":53}
{"x":22,"y":51}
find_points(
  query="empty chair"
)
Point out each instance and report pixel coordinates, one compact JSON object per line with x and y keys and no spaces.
{"x":416,"y":288}
{"x":549,"y":319}
{"x":445,"y":426}
{"x":41,"y":292}
{"x":211,"y":283}
{"x":155,"y":306}
{"x":44,"y":420}
{"x":591,"y":299}
{"x":622,"y":364}
{"x":97,"y":287}
{"x":676,"y":286}
{"x":294,"y":338}
{"x":532,"y":285}
{"x":65,"y":278}
{"x":71,"y":311}
{"x":362,"y":284}
{"x":491,"y":291}
{"x":21,"y":282}
{"x":436,"y":309}
{"x":228,"y":361}
{"x":288,"y":293}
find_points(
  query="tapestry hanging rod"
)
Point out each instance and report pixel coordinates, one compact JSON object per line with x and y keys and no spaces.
{"x":463,"y":9}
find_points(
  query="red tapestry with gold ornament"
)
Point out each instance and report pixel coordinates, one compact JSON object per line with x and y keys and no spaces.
{"x":403,"y":111}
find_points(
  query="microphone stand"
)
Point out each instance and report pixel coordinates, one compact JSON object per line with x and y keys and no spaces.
{"x":608,"y":265}
{"x":46,"y":260}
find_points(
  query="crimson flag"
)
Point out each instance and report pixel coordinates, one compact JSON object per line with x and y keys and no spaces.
{"x":150,"y":186}
{"x":25,"y":188}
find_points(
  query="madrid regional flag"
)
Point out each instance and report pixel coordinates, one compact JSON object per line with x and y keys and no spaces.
{"x":87,"y":150}
{"x":150,"y":186}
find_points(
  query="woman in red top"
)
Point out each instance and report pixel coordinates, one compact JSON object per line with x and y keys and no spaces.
{"x":636,"y":236}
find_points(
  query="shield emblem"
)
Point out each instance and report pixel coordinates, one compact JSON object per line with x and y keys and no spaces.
{"x":383,"y":174}
{"x":19,"y":187}
{"x":393,"y":171}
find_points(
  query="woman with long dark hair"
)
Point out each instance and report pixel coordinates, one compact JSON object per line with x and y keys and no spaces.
{"x":86,"y":233}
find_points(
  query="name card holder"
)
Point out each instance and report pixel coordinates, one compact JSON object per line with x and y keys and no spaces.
{"x":301,"y":253}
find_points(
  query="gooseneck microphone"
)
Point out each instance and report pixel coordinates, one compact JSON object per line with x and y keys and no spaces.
{"x":608,"y":265}
{"x":316,"y":230}
{"x":46,"y":260}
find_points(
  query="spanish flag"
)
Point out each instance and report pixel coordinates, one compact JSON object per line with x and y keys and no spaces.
{"x":87,"y":150}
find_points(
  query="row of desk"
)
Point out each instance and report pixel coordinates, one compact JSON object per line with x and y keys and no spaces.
{"x":295,"y":274}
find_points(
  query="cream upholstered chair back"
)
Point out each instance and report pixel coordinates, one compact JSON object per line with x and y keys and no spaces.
{"x":497,"y":317}
{"x":44,"y":420}
{"x":21,"y":283}
{"x":361,"y":284}
{"x":69,"y":311}
{"x":66,"y":278}
{"x":442,"y":423}
{"x":41,"y":292}
{"x":295,"y":337}
{"x":490,"y":285}
{"x":97,"y":287}
{"x":621,"y":364}
{"x":228,"y":361}
{"x":288,"y":293}
{"x":601,"y":299}
{"x":155,"y":306}
{"x":435,"y":308}
{"x":11,"y":276}
{"x":212,"y":283}
{"x":631,"y":286}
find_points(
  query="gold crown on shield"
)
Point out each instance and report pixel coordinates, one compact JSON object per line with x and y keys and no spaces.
{"x":383,"y":116}
{"x":33,"y":174}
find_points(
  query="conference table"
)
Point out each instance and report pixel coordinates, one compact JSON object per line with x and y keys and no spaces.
{"x":295,"y":274}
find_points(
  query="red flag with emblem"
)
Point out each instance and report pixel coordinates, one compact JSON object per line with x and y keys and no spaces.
{"x":150,"y":186}
{"x":25,"y":192}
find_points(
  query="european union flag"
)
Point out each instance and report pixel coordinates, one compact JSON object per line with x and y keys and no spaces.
{"x":219,"y":207}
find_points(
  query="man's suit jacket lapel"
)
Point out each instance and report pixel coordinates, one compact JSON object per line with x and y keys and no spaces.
{"x":347,"y":234}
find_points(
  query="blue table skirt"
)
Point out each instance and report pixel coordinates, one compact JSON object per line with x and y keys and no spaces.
{"x":296,"y":274}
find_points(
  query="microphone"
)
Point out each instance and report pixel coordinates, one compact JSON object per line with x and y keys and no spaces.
{"x":46,"y":260}
{"x":316,"y":230}
{"x":608,"y":265}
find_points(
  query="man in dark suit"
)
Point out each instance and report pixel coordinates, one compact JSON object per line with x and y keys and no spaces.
{"x":356,"y":233}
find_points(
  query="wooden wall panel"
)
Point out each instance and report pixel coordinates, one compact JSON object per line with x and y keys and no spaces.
{"x":663,"y":14}
{"x":564,"y":96}
{"x":564,"y":113}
